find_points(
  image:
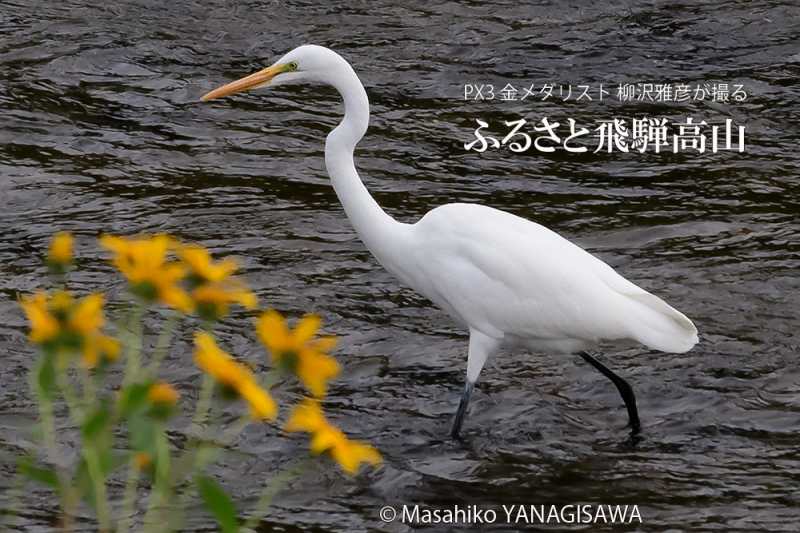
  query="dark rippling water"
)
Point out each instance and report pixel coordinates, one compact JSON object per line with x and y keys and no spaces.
{"x":101,"y":131}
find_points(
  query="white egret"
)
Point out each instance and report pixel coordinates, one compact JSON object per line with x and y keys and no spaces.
{"x":509,"y":281}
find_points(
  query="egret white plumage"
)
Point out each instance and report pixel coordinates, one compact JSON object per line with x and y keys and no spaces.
{"x":509,"y":281}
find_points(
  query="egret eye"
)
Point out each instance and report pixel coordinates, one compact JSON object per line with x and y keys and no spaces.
{"x":292,"y":66}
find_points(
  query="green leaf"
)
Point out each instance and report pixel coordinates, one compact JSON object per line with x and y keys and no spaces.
{"x":218,"y":503}
{"x":45,"y":476}
{"x":133,"y":398}
{"x":108,"y":459}
{"x":83,"y":482}
{"x":95,"y":422}
{"x":142,"y":430}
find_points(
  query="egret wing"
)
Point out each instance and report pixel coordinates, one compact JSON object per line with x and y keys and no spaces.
{"x":507,"y":276}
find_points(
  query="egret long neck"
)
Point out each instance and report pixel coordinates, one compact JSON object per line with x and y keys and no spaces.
{"x":374,"y":226}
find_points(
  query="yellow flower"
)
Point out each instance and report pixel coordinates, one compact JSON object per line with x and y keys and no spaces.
{"x":308,"y":417}
{"x":298,"y":350}
{"x":262,"y":406}
{"x":315,"y":369}
{"x":201,"y":266}
{"x":60,"y":304}
{"x":233,"y":376}
{"x":144,"y":263}
{"x":60,"y":322}
{"x":348,"y":453}
{"x":60,"y":253}
{"x":213,"y":299}
{"x":99,"y":347}
{"x":87,"y":316}
{"x":218,"y":364}
{"x":44,"y":326}
{"x":162,"y":394}
{"x":213,"y":288}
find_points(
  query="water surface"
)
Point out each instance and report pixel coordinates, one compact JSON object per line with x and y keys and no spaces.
{"x":102,"y":131}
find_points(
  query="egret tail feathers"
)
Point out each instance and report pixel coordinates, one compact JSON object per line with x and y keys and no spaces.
{"x":661,"y":326}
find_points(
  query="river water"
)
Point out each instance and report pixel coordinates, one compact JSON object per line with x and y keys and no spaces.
{"x":101,"y":131}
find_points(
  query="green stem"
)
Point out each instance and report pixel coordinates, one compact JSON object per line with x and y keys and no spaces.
{"x":47,"y":420}
{"x":64,"y":384}
{"x":89,"y":393}
{"x":205,"y":455}
{"x":129,"y":497}
{"x":203,"y":405}
{"x":276,"y":484}
{"x":90,"y":453}
{"x":161,"y":491}
{"x":134,"y":333}
{"x":163,"y":342}
{"x":99,"y":484}
{"x":49,"y":435}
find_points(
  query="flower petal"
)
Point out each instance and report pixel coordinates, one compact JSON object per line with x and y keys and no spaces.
{"x":306,"y":417}
{"x":315,"y":370}
{"x":273,"y":332}
{"x":307,"y":328}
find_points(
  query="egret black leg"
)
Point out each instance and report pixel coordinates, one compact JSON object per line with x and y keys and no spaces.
{"x":462,"y":410}
{"x":623,"y":387}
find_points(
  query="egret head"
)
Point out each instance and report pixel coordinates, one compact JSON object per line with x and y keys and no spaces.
{"x":305,"y":64}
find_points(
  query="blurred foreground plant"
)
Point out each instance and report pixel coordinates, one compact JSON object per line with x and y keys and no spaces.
{"x":122,"y":418}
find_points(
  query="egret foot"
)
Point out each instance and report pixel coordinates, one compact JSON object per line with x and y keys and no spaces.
{"x":462,"y":410}
{"x":624,"y":388}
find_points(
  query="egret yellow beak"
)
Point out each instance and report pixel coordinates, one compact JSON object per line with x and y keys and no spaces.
{"x":252,"y":81}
